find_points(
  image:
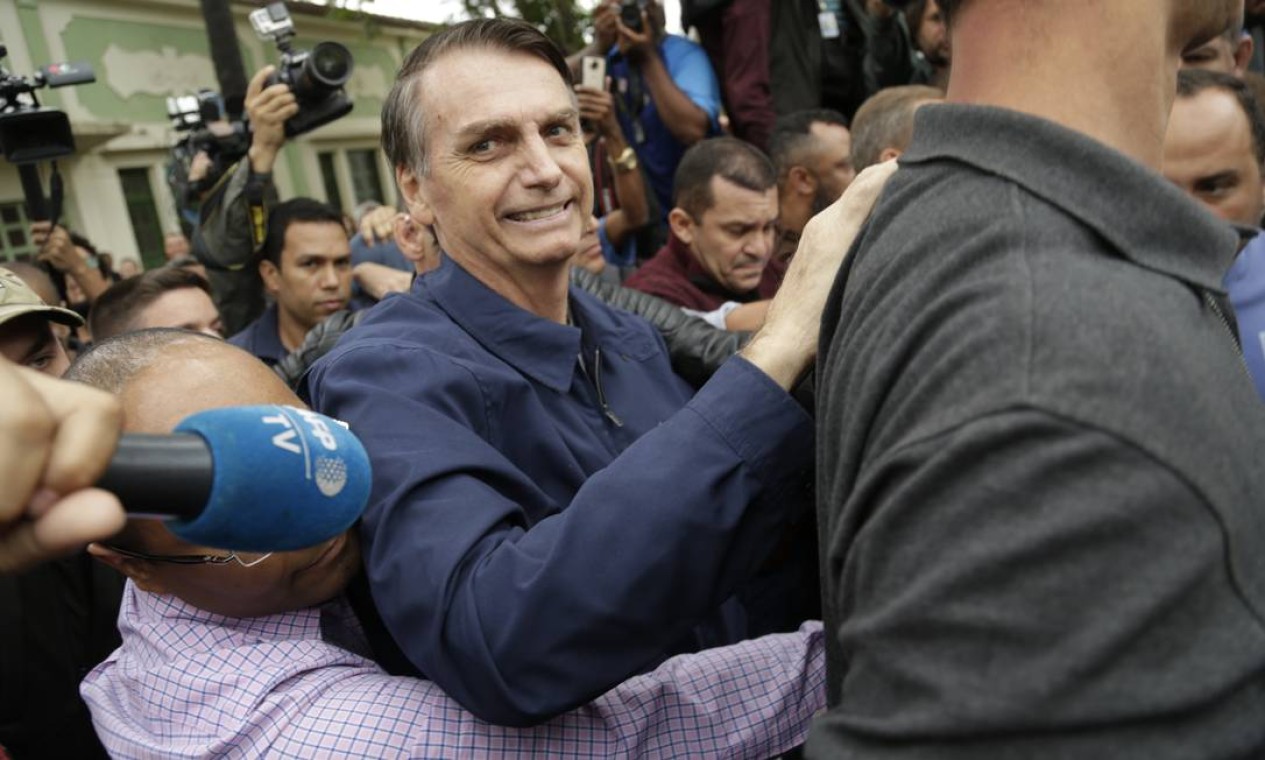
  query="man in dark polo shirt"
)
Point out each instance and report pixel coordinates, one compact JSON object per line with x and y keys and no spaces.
{"x":1039,"y":454}
{"x":723,"y":224}
{"x":306,"y":269}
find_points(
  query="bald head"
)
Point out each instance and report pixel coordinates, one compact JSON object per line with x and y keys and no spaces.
{"x":165,"y":375}
{"x":161,"y":377}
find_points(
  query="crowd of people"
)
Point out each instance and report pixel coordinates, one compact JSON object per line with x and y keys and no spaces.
{"x":656,"y":370}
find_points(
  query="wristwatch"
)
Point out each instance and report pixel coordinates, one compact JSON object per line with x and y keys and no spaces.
{"x":627,"y":161}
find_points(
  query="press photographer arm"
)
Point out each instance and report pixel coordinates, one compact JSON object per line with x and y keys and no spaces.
{"x":60,"y":252}
{"x":235,"y":214}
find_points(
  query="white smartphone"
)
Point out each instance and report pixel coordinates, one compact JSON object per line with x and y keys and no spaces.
{"x":593,"y":72}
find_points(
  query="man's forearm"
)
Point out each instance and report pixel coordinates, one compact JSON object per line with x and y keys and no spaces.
{"x":633,"y":212}
{"x":684,"y":119}
{"x":512,"y":633}
{"x":90,"y":281}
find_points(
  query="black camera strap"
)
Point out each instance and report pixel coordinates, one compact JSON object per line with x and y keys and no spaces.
{"x":56,"y":193}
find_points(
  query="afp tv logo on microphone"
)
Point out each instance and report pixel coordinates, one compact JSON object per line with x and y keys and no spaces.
{"x":302,"y":432}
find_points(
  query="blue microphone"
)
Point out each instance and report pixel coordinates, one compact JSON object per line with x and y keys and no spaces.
{"x":250,"y":478}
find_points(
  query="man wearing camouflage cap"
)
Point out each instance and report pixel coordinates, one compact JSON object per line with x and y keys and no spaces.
{"x":26,"y":333}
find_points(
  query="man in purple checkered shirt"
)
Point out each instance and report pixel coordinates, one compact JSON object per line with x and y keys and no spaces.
{"x":246,"y":655}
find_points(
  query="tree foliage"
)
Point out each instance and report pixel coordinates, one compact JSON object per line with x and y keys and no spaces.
{"x":562,"y":20}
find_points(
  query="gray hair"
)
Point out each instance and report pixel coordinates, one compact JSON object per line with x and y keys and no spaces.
{"x":404,"y":123}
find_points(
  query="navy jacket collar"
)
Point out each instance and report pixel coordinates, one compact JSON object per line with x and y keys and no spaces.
{"x":543,"y":350}
{"x":1162,"y":230}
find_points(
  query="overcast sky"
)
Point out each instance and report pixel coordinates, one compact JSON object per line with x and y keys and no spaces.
{"x":447,"y":10}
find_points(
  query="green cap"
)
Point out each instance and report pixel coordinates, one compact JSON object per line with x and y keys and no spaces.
{"x":17,"y":299}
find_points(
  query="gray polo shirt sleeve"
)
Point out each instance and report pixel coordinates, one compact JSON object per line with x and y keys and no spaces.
{"x":1025,"y":586}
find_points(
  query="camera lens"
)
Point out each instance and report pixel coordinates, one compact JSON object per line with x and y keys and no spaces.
{"x":328,"y":67}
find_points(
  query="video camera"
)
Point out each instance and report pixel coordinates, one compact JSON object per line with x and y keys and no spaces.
{"x":316,"y":78}
{"x":202,"y":117}
{"x":29,"y":132}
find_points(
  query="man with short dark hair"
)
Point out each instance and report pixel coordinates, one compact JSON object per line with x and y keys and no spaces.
{"x":1214,"y":150}
{"x":164,"y":297}
{"x":812,"y":154}
{"x":553,"y":510}
{"x":723,"y":222}
{"x":1039,"y":461}
{"x":1214,"y":147}
{"x":306,"y":269}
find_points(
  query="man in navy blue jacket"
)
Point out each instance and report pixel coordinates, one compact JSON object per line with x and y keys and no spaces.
{"x":551,"y":511}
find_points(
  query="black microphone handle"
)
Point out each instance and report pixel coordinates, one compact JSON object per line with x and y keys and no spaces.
{"x":161,"y":475}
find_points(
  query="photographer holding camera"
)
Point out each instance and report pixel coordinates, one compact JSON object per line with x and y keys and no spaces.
{"x":234,"y":217}
{"x":666,"y":94}
{"x":303,"y":93}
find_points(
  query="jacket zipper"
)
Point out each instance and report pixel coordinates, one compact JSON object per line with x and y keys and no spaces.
{"x":1234,"y":337}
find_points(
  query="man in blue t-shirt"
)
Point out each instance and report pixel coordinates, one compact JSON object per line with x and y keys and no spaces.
{"x":666,"y":93}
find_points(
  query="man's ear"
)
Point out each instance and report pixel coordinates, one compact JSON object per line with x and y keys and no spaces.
{"x":682,"y":225}
{"x":414,"y":198}
{"x":140,"y":571}
{"x":417,"y":242}
{"x":1243,"y":54}
{"x":889,"y":153}
{"x":802,"y":181}
{"x":271,"y":276}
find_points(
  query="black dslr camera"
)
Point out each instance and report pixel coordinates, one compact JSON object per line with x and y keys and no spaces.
{"x":630,"y":13}
{"x":315,"y":77}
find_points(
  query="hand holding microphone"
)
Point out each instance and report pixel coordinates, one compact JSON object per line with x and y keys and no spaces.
{"x":267,"y":478}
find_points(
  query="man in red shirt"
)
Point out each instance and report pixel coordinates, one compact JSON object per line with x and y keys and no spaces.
{"x":723,"y":225}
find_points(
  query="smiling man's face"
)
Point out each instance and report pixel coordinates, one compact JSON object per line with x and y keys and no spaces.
{"x":508,"y":184}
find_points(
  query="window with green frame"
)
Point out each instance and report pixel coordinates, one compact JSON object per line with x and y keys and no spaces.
{"x":138,"y":193}
{"x":15,"y":239}
{"x":366,"y":181}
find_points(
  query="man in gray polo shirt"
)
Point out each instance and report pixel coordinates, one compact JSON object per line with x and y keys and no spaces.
{"x":1041,"y":481}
